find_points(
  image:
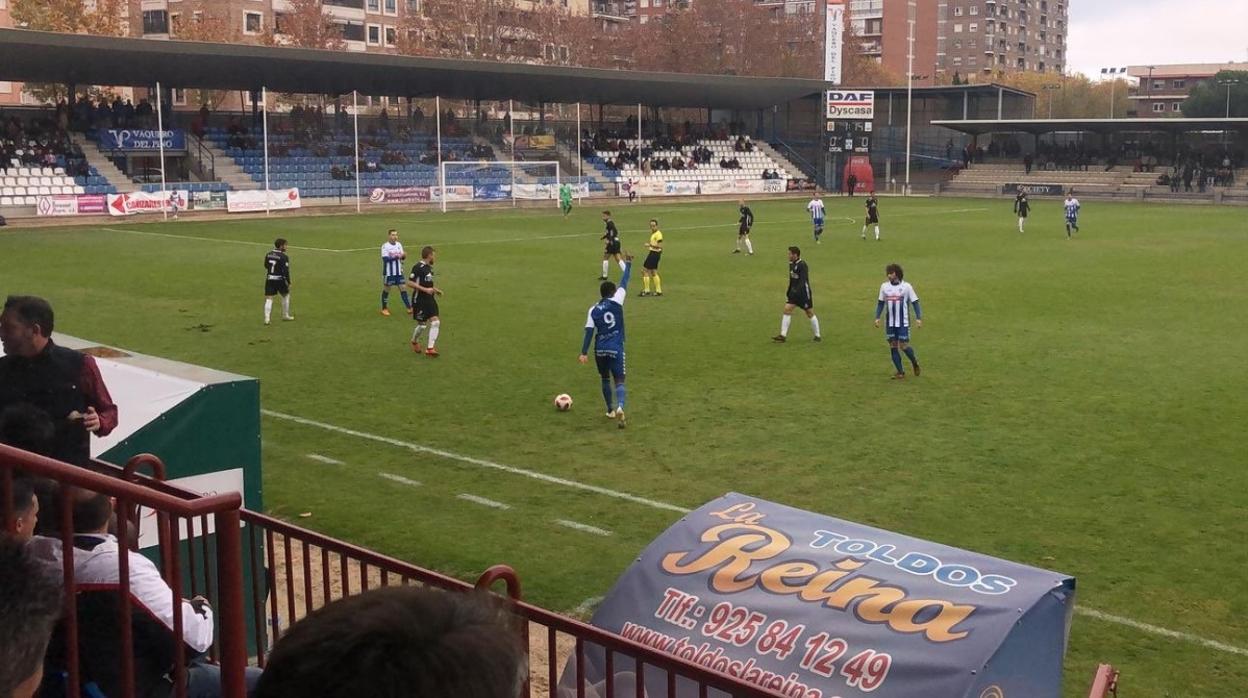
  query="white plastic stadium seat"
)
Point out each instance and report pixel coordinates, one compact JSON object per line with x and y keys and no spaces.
{"x":6,"y":191}
{"x":30,"y":201}
{"x":19,"y":191}
{"x":58,"y":171}
{"x":6,"y":201}
{"x":78,"y":189}
{"x":45,"y":191}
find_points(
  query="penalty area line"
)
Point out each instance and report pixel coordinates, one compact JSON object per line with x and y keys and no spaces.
{"x":1146,"y":628}
{"x":479,"y":462}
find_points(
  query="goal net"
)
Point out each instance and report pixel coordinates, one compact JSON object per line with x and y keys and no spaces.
{"x":461,"y":183}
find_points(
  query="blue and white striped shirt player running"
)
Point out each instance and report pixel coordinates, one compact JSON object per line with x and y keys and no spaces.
{"x":816,"y":214}
{"x":1072,"y":214}
{"x":604,"y":327}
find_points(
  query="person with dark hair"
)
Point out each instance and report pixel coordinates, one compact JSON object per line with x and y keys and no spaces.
{"x":277,"y":279}
{"x":799,"y":296}
{"x":96,"y":561}
{"x":399,"y":642}
{"x":64,"y":383}
{"x":606,"y":321}
{"x":612,"y":237}
{"x":896,"y":296}
{"x":744,"y":223}
{"x":30,"y":604}
{"x":650,"y":267}
{"x":425,"y":304}
{"x":25,"y":507}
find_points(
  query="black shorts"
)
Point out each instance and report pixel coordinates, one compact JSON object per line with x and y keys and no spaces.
{"x":873,"y":218}
{"x":273,"y":287}
{"x":652,"y":261}
{"x":612,"y":248}
{"x":743,"y":230}
{"x":801,"y":300}
{"x":426,"y":307}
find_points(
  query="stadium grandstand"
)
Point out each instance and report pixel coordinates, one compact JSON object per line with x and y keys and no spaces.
{"x":259,"y":574}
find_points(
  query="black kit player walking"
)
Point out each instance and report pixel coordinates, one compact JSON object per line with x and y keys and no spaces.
{"x":425,"y":304}
{"x":873,"y":216}
{"x":1022,"y":207}
{"x":611,"y":237}
{"x":798,"y":296}
{"x":277,"y":280}
{"x":744,"y":223}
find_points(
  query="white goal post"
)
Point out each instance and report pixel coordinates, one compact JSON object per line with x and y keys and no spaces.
{"x":468,"y":181}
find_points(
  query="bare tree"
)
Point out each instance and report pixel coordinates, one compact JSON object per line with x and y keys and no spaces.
{"x":304,"y":24}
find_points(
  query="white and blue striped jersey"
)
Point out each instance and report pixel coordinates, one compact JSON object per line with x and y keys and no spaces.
{"x":606,"y":318}
{"x":897,"y":298}
{"x":816,"y":211}
{"x":1072,"y":208}
{"x":391,"y":259}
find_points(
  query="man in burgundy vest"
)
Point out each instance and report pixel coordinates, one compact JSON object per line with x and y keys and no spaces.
{"x":62,"y":382}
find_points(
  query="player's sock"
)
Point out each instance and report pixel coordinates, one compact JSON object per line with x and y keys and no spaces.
{"x":814,"y":325}
{"x":434,"y":328}
{"x":407,"y":302}
{"x":914,"y":360}
{"x":620,"y":393}
{"x":785,"y":321}
{"x":268,"y":308}
{"x":864,"y":232}
{"x":749,"y":246}
{"x":604,"y":268}
{"x":645,"y":284}
{"x":738,"y":248}
{"x":877,"y":232}
{"x":658,"y":285}
{"x":620,"y":262}
{"x":897,"y":359}
{"x":385,"y":299}
{"x":286,"y":306}
{"x":606,"y":393}
{"x":416,"y":333}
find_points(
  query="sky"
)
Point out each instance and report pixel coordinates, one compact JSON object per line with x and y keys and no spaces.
{"x":1119,"y":33}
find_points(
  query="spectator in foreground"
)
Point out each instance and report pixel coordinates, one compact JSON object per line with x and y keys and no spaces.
{"x":30,"y":604}
{"x":96,"y":560}
{"x":399,"y":642}
{"x":62,"y":382}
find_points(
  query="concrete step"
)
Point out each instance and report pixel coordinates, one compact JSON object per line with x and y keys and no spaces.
{"x":227,"y":170}
{"x":103,"y":164}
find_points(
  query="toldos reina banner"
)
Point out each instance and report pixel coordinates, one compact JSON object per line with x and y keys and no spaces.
{"x":811,"y":606}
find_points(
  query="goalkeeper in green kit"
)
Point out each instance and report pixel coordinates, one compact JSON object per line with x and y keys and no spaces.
{"x":565,"y":198}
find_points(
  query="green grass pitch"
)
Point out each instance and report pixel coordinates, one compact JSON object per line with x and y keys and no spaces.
{"x":1082,"y":406}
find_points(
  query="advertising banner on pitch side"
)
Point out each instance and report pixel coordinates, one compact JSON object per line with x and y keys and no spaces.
{"x":812,"y":606}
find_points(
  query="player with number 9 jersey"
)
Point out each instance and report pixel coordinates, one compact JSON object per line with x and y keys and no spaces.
{"x":604,"y":327}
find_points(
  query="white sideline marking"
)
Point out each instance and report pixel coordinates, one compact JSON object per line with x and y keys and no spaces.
{"x":225,"y":240}
{"x":479,"y":462}
{"x":583,"y":527}
{"x":1090,"y":612}
{"x":482,"y":501}
{"x":399,"y":479}
{"x":324,"y":459}
{"x":1164,"y":632}
{"x":587,"y":605}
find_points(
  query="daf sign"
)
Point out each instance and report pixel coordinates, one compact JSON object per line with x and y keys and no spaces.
{"x":851,"y":104}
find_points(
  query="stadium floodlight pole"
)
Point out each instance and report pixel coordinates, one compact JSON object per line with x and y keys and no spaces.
{"x":639,"y":131}
{"x":437,"y":125}
{"x":160,"y":136}
{"x":1228,"y":82}
{"x":580,"y":161}
{"x":909,"y":89}
{"x":355,"y":120}
{"x":511,"y":110}
{"x":264,"y":115}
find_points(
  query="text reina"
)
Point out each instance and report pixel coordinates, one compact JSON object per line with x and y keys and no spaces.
{"x":739,"y":545}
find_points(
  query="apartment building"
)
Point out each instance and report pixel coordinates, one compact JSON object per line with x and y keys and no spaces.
{"x":982,"y":37}
{"x":1163,"y":88}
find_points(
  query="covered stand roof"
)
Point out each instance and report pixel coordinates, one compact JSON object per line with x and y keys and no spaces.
{"x":1102,"y":126}
{"x":33,"y":56}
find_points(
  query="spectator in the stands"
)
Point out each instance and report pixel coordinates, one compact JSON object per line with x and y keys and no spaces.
{"x":30,"y":604}
{"x":29,"y":428}
{"x":400,"y":642}
{"x":64,"y":383}
{"x":25,"y":508}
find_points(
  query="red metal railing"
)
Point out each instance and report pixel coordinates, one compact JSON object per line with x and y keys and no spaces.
{"x":1105,"y":682}
{"x":175,"y":510}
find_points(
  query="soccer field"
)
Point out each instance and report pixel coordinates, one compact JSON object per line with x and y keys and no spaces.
{"x":1082,"y":404}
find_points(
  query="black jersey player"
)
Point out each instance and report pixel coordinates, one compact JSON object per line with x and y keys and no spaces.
{"x":611,"y":238}
{"x":798,"y":296}
{"x":277,"y":280}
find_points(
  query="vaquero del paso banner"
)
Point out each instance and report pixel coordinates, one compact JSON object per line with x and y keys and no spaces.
{"x":141,"y":139}
{"x":813,"y":606}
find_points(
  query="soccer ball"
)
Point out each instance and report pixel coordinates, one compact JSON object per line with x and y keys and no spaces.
{"x":563,"y":402}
